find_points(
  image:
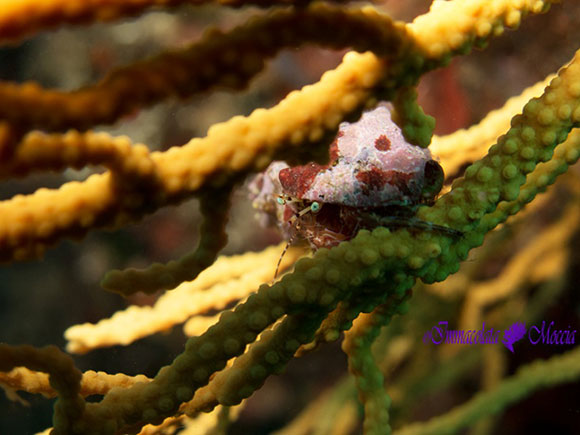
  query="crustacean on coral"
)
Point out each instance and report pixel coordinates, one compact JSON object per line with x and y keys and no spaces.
{"x":374,"y":177}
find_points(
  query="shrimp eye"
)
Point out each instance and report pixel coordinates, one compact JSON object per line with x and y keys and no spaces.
{"x":280,"y":200}
{"x":315,"y":207}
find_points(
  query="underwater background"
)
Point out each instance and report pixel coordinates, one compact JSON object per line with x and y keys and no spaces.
{"x":40,"y":299}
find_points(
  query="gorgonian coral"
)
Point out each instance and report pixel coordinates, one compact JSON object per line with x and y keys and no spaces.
{"x":356,"y":287}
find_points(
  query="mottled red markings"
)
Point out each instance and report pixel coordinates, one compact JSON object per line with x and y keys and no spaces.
{"x":371,"y":180}
{"x":382,"y":143}
{"x":333,"y":149}
{"x":375,"y":179}
{"x":400,"y":180}
{"x":297,"y":180}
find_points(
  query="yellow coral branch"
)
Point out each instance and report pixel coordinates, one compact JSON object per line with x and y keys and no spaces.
{"x":228,"y":280}
{"x":55,"y":152}
{"x":23,"y":379}
{"x":230,"y":148}
{"x":458,"y":25}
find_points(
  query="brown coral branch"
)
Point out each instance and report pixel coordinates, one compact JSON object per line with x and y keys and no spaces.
{"x":22,"y":18}
{"x":219,"y":60}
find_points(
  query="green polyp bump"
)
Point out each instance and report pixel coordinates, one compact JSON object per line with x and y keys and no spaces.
{"x":509,"y":171}
{"x":527,"y":153}
{"x":417,"y":126}
{"x":485,"y":174}
{"x":456,"y":213}
{"x":510,"y":146}
{"x":369,"y":256}
{"x":258,"y":372}
{"x":333,"y":276}
{"x":258,"y":320}
{"x":528,"y":134}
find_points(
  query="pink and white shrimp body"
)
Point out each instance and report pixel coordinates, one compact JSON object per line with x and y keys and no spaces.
{"x":373,"y":171}
{"x":371,"y":165}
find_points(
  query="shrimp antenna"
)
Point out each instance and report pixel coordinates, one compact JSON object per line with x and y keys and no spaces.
{"x":294,"y":221}
{"x":288,"y":244}
{"x":295,"y":225}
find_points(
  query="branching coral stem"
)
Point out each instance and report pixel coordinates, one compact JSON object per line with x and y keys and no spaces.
{"x":295,"y":307}
{"x":495,"y":181}
{"x":21,"y":18}
{"x":223,"y":60}
{"x":369,"y":378}
{"x":246,"y":144}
